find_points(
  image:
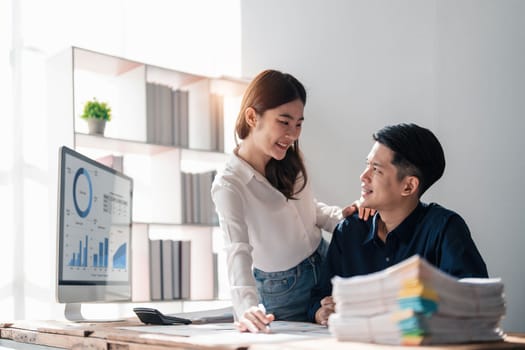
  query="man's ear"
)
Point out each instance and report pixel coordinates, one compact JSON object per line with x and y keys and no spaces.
{"x":411,"y":186}
{"x":250,"y":115}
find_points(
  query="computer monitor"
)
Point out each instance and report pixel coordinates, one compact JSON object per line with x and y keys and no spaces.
{"x":94,"y":233}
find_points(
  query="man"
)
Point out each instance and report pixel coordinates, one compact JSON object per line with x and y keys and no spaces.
{"x":404,"y":162}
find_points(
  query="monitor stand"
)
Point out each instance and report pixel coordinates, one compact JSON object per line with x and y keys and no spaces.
{"x":73,"y":312}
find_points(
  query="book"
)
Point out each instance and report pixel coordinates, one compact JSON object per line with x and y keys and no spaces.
{"x":150,"y":112}
{"x":176,"y":269}
{"x":167,"y":269}
{"x":185,"y":269}
{"x":195,"y":200}
{"x":155,"y":255}
{"x":164,"y":127}
{"x":207,"y":208}
{"x":176,"y":116}
{"x":187,"y":197}
{"x":184,"y":118}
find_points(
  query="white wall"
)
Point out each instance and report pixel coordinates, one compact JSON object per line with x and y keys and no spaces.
{"x":456,"y":67}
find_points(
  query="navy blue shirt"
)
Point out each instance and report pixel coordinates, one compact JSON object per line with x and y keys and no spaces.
{"x":437,"y":234}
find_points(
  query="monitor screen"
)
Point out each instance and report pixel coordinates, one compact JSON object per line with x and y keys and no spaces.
{"x":94,"y":231}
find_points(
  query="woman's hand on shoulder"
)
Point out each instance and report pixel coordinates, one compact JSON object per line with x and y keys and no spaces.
{"x":255,"y":320}
{"x":364,"y":213}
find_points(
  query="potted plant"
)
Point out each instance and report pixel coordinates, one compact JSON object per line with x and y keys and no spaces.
{"x":96,"y":114}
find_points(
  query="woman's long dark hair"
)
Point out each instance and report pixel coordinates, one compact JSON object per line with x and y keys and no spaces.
{"x":268,"y":90}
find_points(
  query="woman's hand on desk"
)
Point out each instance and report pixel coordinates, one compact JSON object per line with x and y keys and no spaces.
{"x":255,"y":320}
{"x":327,"y":308}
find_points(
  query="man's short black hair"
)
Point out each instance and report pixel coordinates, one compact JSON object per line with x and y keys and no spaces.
{"x":417,"y":152}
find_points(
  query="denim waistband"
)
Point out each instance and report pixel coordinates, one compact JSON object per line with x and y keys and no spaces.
{"x":316,"y":256}
{"x":312,"y":260}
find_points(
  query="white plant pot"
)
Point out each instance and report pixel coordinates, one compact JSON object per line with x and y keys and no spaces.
{"x":96,"y":126}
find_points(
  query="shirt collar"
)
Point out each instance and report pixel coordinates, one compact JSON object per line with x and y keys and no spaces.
{"x":373,"y":229}
{"x":245,"y":173}
{"x":403,"y":231}
{"x":407,"y":227}
{"x":243,"y":170}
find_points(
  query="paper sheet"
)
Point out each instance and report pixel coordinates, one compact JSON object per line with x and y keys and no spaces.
{"x":226,"y":333}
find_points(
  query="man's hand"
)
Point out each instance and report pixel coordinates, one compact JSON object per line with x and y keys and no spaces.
{"x":255,"y":320}
{"x":327,"y":308}
{"x":364,"y":213}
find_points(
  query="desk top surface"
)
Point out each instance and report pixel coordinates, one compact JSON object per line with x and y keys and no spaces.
{"x":132,"y":334}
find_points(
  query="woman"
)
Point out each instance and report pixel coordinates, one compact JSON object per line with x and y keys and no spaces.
{"x":267,"y":212}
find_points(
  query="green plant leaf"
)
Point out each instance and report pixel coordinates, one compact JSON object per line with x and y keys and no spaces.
{"x":97,"y":110}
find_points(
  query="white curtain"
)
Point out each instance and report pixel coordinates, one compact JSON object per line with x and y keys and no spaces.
{"x":199,"y":36}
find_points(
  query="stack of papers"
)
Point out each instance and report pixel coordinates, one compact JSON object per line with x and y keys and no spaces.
{"x":415,"y":303}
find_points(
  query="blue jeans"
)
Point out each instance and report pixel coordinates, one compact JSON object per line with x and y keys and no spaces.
{"x":286,"y":294}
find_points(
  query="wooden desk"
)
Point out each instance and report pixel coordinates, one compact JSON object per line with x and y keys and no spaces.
{"x":108,"y":336}
{"x":512,"y":342}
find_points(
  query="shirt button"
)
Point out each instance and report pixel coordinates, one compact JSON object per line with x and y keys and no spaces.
{"x":387,"y":259}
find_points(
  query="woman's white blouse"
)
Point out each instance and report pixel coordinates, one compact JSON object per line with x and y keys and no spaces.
{"x":263,"y":229}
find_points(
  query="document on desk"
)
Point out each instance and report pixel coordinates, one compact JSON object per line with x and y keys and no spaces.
{"x":226,"y":333}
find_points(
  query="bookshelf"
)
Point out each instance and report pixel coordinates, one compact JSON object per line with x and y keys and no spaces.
{"x":170,"y":131}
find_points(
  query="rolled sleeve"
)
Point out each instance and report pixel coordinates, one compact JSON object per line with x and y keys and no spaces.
{"x":238,"y":249}
{"x":327,"y":217}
